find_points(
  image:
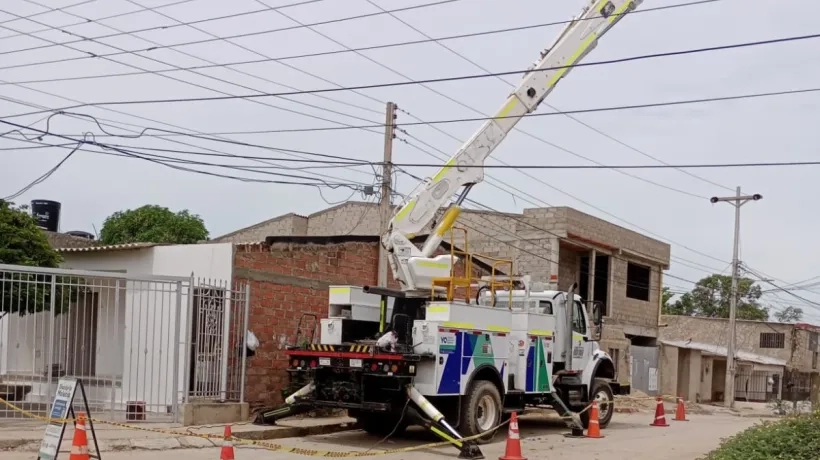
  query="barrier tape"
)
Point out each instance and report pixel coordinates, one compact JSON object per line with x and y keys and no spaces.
{"x":289,"y":449}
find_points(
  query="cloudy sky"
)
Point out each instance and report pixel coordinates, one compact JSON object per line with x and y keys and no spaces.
{"x":668,"y":204}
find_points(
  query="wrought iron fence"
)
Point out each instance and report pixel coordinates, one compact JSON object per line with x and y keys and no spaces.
{"x":219,"y":315}
{"x":140,"y":345}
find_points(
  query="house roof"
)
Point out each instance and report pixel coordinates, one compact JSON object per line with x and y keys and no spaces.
{"x":718,"y":350}
{"x":108,"y":248}
{"x":64,"y":240}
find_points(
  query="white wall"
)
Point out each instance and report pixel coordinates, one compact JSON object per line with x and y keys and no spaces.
{"x":136,"y":323}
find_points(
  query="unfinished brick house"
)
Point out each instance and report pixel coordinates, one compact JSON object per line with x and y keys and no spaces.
{"x":559,"y":245}
{"x":774,"y":360}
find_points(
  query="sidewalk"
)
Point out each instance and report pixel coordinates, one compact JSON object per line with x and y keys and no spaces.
{"x":23,"y":435}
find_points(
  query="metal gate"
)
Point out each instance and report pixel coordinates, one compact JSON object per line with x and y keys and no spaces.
{"x":130,"y":339}
{"x":644,"y":367}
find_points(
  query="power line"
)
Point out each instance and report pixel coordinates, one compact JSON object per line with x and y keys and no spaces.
{"x":118,"y":15}
{"x":43,"y":177}
{"x":100,"y":125}
{"x":464,"y":120}
{"x":347,"y":161}
{"x":60,"y":9}
{"x":209,"y":40}
{"x":575,"y":119}
{"x":528,"y":224}
{"x":326,"y":53}
{"x":154,"y":159}
{"x":197,"y":85}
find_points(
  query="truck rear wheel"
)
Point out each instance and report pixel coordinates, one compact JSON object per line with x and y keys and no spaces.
{"x":480,"y":411}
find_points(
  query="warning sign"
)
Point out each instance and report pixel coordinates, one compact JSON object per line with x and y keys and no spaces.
{"x":61,"y":408}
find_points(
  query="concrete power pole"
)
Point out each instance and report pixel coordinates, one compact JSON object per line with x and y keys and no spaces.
{"x":737,"y":201}
{"x":386,"y":204}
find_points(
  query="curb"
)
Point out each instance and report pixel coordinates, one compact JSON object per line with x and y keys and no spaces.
{"x":185,"y":442}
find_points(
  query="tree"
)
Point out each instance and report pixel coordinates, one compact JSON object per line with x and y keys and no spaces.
{"x":666,"y":299}
{"x":153,"y":224}
{"x":711,"y":297}
{"x":23,"y":243}
{"x":789,"y":315}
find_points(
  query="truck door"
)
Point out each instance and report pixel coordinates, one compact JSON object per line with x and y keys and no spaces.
{"x":581,"y":337}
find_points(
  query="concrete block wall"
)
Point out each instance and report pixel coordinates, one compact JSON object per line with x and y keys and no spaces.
{"x":289,"y":224}
{"x":716,"y":330}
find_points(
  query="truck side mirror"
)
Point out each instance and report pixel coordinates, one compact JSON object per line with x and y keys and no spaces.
{"x":598,"y":318}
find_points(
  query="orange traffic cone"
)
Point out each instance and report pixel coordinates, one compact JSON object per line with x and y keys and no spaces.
{"x":227,"y":445}
{"x":680,"y":412}
{"x":513,"y":450}
{"x":660,"y":414}
{"x":79,"y":446}
{"x":594,"y":430}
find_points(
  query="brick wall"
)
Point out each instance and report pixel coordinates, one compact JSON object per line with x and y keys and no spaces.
{"x":287,"y":280}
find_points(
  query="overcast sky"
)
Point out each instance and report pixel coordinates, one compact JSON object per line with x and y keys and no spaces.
{"x":91,"y":186}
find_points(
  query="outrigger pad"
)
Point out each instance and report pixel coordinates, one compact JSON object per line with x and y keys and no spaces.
{"x":471,"y":450}
{"x":269,"y":415}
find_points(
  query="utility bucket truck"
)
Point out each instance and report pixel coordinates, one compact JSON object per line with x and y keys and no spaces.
{"x":446,"y":351}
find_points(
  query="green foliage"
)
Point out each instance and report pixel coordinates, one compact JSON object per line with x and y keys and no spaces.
{"x":711,"y":297}
{"x":153,"y":224}
{"x":666,"y":298}
{"x":789,"y":315}
{"x":792,"y":438}
{"x":23,"y":243}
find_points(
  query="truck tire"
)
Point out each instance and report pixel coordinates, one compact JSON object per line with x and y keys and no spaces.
{"x":382,"y":424}
{"x":603,"y":393}
{"x":480,"y":411}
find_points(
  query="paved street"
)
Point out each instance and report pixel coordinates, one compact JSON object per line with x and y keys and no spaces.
{"x":628,"y":437}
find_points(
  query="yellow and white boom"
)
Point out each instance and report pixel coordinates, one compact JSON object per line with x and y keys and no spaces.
{"x":415,"y":268}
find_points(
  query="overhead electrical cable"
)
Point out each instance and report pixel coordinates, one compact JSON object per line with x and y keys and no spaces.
{"x":546,"y":103}
{"x":209,"y":40}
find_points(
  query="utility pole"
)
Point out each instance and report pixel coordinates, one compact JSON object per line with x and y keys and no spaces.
{"x":386,"y":204}
{"x":737,"y":201}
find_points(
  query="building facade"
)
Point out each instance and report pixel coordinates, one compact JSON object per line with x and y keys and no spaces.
{"x":560,"y":246}
{"x":774,"y":360}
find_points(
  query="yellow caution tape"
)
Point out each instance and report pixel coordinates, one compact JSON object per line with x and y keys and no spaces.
{"x":290,"y":449}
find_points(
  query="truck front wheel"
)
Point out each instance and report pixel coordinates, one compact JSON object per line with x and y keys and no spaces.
{"x":602,"y":392}
{"x":480,"y":411}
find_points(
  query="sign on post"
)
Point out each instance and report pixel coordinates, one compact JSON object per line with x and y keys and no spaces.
{"x":61,"y":407}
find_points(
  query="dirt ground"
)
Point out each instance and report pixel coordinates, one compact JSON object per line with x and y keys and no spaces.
{"x":629,"y":436}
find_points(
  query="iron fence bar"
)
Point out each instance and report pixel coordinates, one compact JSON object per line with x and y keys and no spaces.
{"x":242,"y":366}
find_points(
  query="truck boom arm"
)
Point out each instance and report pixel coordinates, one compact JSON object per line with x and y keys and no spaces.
{"x":415,"y":268}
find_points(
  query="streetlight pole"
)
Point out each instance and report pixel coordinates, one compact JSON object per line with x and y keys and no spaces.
{"x":737,"y":201}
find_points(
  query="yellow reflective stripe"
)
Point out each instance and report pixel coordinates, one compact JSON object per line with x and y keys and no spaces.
{"x":446,"y":437}
{"x":498,"y":329}
{"x":339,"y":290}
{"x":507,"y":107}
{"x":431,"y":264}
{"x":406,"y":210}
{"x":443,"y":170}
{"x":459,"y":325}
{"x":571,"y":61}
{"x":440,"y":309}
{"x":540,"y":332}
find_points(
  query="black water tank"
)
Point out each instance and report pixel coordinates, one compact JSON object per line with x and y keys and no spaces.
{"x":46,"y":213}
{"x":80,"y":234}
